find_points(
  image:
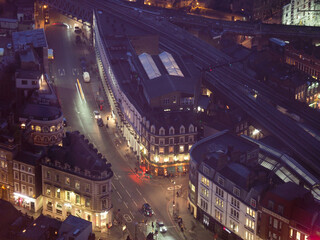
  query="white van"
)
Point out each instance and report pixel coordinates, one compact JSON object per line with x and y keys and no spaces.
{"x":86,"y":77}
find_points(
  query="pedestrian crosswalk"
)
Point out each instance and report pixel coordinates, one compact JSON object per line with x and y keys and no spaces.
{"x":61,"y":72}
{"x":75,"y":72}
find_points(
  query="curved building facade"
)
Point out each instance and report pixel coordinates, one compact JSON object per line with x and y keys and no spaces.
{"x":151,"y":101}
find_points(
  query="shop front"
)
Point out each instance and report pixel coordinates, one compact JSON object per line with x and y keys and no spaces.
{"x":24,"y":201}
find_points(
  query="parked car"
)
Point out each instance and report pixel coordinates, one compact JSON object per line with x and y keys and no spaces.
{"x":147,"y":210}
{"x":161,"y":226}
{"x":100,"y":122}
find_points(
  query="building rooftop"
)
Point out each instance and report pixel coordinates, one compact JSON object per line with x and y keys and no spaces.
{"x":11,"y":215}
{"x":285,"y":167}
{"x":27,"y":74}
{"x":28,"y":157}
{"x":74,"y":226}
{"x":40,"y":112}
{"x":35,"y":37}
{"x":220,"y":142}
{"x":290,"y":191}
{"x":79,"y":154}
{"x":41,"y":228}
{"x":138,"y":67}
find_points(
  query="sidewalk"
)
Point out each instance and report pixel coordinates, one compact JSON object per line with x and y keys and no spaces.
{"x":193,"y":229}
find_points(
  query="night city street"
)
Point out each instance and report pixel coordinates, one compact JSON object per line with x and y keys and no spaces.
{"x":160,"y":120}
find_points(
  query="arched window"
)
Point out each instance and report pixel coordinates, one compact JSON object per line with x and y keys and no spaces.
{"x":52,"y":128}
{"x":191,"y":128}
{"x":171,"y":131}
{"x":161,"y":131}
{"x":38,"y":129}
{"x":182,"y":130}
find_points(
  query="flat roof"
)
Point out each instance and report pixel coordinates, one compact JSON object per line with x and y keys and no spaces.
{"x":219,"y":143}
{"x":35,"y":37}
{"x":40,"y":112}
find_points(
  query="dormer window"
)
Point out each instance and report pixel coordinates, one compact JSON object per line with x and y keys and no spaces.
{"x":171,"y":131}
{"x":153,"y":129}
{"x":161,"y":131}
{"x":182,"y":130}
{"x":191,"y":128}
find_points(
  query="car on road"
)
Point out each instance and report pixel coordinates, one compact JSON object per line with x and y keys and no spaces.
{"x":100,"y":122}
{"x":77,"y":30}
{"x":83,"y":64}
{"x":96,"y":114}
{"x":147,"y":210}
{"x":65,"y":123}
{"x":161,"y":226}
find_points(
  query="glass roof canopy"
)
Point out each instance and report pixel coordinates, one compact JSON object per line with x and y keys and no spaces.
{"x":149,"y":66}
{"x":170,"y":64}
{"x":286,"y":168}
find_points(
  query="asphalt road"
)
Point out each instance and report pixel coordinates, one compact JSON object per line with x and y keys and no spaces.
{"x":130,"y":190}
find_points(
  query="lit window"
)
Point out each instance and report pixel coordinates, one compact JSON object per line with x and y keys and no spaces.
{"x":181,"y":148}
{"x":58,"y":193}
{"x":48,"y":190}
{"x":77,"y":199}
{"x":68,"y":195}
{"x":52,"y":128}
{"x":38,"y":129}
{"x":171,"y":149}
{"x":87,"y":202}
{"x":161,"y":150}
{"x":205,"y":181}
{"x":67,"y":180}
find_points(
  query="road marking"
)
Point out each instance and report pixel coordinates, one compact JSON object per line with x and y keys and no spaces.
{"x":119,"y":194}
{"x":121,"y":184}
{"x":144,"y":200}
{"x":131,"y":214}
{"x":115,"y":175}
{"x":139,"y":191}
{"x":135,"y":202}
{"x":113,"y":186}
{"x":128,"y":193}
{"x":127,"y":218}
{"x":125,"y":204}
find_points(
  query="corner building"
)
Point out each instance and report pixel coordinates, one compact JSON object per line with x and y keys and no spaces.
{"x":77,"y":180}
{"x":151,"y":92}
{"x":225,"y":185}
